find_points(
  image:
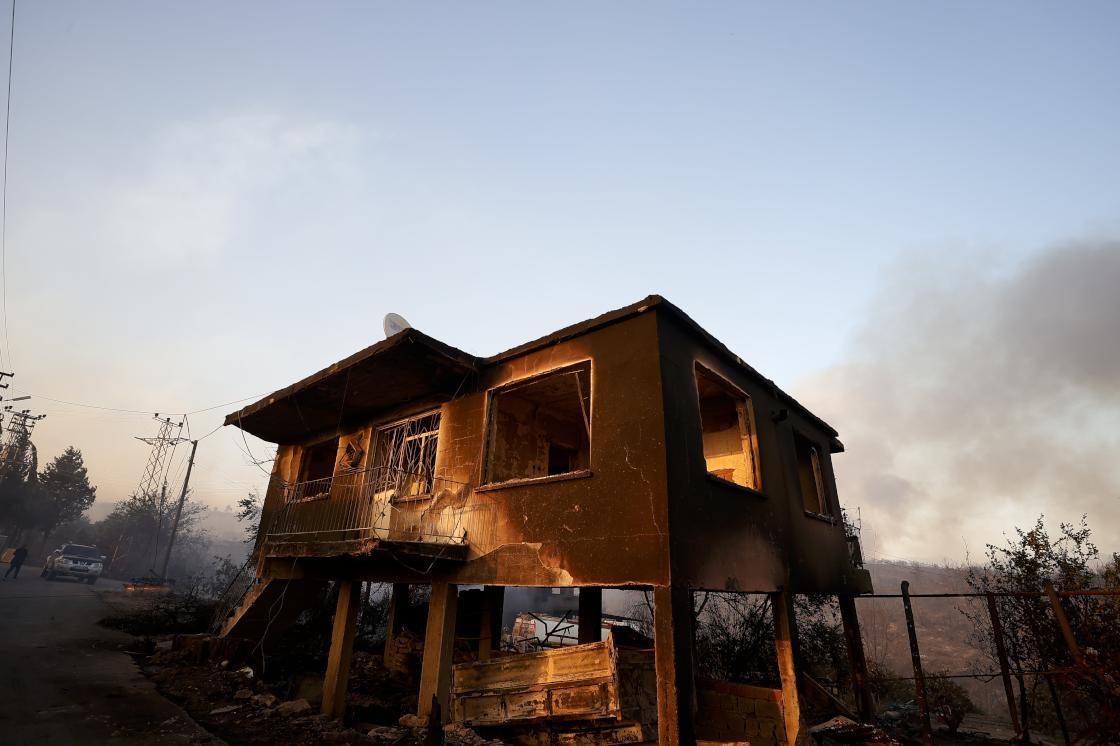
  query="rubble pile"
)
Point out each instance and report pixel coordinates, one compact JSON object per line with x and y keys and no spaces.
{"x":842,"y":731}
{"x":244,"y":706}
{"x":457,"y":734}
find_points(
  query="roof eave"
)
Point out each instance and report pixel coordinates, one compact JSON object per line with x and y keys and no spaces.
{"x":466,"y":360}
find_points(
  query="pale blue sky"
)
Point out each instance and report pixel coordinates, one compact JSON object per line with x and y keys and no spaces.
{"x":210,"y":200}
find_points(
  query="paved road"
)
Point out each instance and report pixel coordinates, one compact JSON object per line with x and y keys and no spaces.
{"x":64,"y":679}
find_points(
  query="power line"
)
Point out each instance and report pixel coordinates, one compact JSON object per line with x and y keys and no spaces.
{"x":178,"y":470}
{"x":225,"y":404}
{"x":249,"y":453}
{"x":216,"y":429}
{"x":133,"y":411}
{"x":87,"y":406}
{"x":4,"y":191}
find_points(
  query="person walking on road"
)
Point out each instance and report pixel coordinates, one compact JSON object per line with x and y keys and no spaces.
{"x":17,"y":562}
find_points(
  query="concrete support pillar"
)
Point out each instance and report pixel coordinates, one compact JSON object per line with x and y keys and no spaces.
{"x":398,"y":610}
{"x":342,"y":645}
{"x":590,"y":615}
{"x":439,"y":648}
{"x":672,"y":635}
{"x":785,"y":642}
{"x":856,"y":657}
{"x":490,"y":623}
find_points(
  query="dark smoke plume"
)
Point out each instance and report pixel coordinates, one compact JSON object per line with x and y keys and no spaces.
{"x":971,"y":400}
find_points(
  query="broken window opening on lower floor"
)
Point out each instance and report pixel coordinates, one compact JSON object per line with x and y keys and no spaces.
{"x":541,"y":428}
{"x":734,"y":637}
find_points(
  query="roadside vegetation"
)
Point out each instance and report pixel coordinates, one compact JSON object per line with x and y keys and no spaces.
{"x":1081,"y":700}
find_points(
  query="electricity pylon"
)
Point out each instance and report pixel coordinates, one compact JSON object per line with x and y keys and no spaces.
{"x":17,"y":454}
{"x":153,"y":484}
{"x":152,"y":480}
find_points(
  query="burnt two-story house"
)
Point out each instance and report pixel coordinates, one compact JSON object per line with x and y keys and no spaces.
{"x":629,"y":451}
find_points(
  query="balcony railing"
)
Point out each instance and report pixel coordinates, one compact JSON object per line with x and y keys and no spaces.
{"x":381,"y":503}
{"x":855,"y":551}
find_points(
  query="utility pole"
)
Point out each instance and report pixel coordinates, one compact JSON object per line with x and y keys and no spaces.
{"x":178,"y":511}
{"x":9,"y":407}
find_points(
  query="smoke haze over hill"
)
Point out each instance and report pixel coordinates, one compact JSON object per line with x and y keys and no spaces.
{"x":971,"y":400}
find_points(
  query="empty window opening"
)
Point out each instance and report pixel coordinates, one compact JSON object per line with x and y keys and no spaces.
{"x":809,"y":475}
{"x":727,"y":422}
{"x":541,"y":428}
{"x":318,"y":461}
{"x":405,"y":455}
{"x":316,"y":471}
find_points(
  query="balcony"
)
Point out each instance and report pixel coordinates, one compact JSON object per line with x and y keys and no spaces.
{"x":855,"y":550}
{"x":363,"y":512}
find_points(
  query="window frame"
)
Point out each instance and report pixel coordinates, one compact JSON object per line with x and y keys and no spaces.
{"x":375,"y":444}
{"x":745,"y":411}
{"x":488,"y":434}
{"x":823,"y":493}
{"x":301,"y":470}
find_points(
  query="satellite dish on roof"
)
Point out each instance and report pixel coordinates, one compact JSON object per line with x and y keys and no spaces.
{"x":395,"y":324}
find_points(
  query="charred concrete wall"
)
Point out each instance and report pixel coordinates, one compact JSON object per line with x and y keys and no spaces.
{"x":603,"y":525}
{"x":730,"y":537}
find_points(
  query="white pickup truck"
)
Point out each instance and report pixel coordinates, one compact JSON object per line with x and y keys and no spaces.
{"x":75,"y":560}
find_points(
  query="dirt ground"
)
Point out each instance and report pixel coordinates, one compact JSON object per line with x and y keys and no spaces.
{"x":237,"y":705}
{"x":68,"y":680}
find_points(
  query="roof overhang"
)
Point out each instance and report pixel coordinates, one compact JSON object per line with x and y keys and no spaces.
{"x":408,"y":366}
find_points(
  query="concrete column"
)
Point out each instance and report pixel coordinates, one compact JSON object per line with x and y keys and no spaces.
{"x":672,"y":635}
{"x":856,"y":657}
{"x":785,"y":642}
{"x":398,"y":610}
{"x":490,"y":623}
{"x":439,"y":648}
{"x":342,"y":645}
{"x":590,"y":614}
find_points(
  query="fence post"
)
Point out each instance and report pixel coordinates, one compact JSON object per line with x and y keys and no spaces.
{"x":916,"y":658}
{"x":1004,"y":667}
{"x":1063,"y":623}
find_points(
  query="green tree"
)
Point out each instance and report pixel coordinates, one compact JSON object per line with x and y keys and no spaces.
{"x":1084,"y":699}
{"x":249,"y":513}
{"x":948,"y":701}
{"x":19,"y":499}
{"x":19,"y":490}
{"x":135,"y":535}
{"x":65,"y":491}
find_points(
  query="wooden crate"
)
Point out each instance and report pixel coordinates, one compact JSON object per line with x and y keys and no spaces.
{"x":592,"y":682}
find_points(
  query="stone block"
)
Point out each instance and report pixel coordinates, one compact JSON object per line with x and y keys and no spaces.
{"x":293,"y":708}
